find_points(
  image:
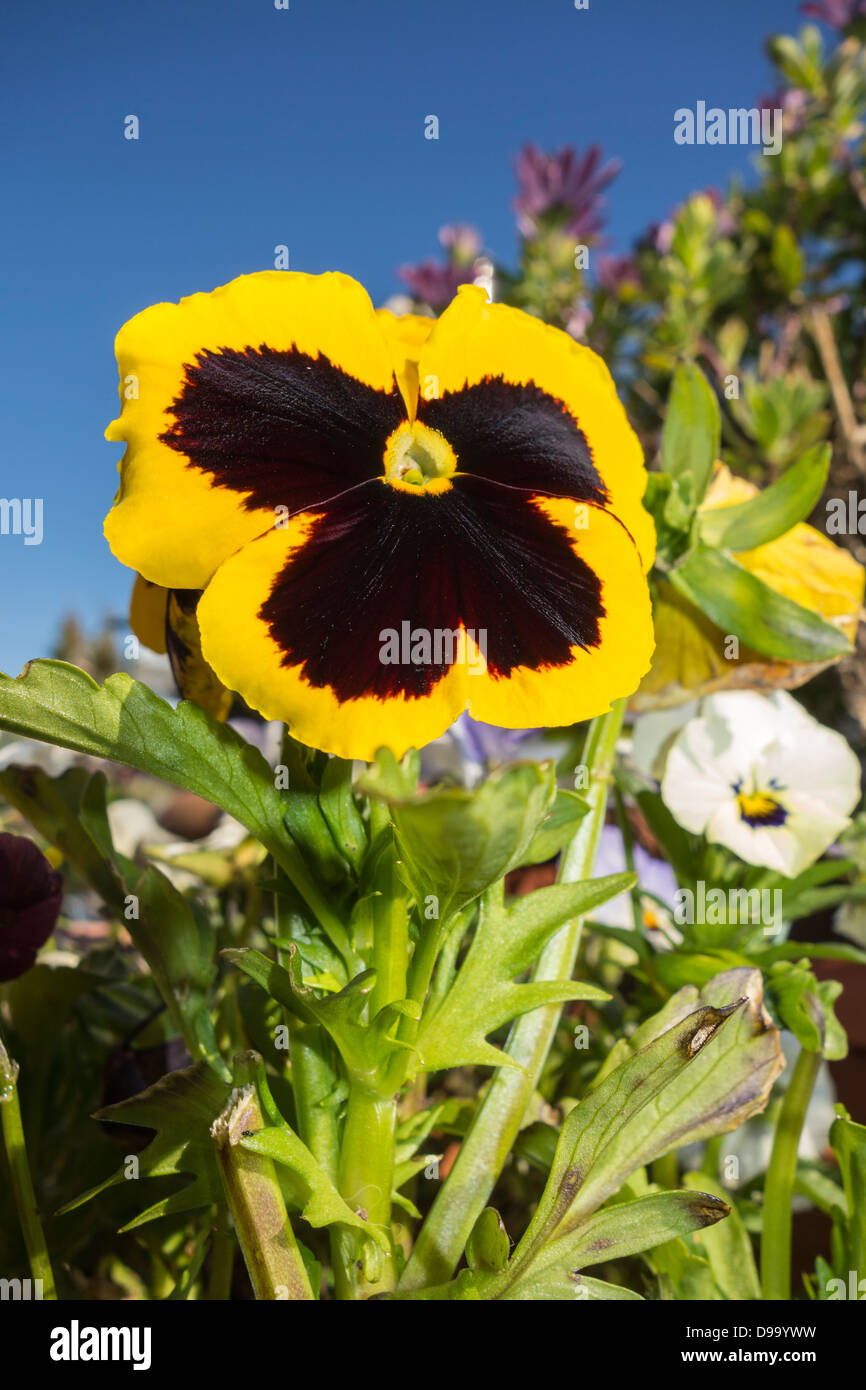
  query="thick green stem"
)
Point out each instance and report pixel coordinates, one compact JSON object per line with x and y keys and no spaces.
{"x":482,"y":1154}
{"x":366,"y":1180}
{"x":779,"y":1185}
{"x":22,"y":1182}
{"x":255,"y":1201}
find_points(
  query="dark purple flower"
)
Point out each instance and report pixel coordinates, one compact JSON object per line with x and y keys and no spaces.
{"x":837,"y":13}
{"x":615,"y":272}
{"x":435,"y":284}
{"x":30,"y":897}
{"x":565,"y":184}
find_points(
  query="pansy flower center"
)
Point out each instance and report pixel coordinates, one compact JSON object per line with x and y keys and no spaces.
{"x":418,"y":457}
{"x":760,"y":808}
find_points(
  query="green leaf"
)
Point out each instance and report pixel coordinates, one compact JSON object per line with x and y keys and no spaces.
{"x":316,"y":1196}
{"x":708,"y":1070}
{"x":848,"y":1141}
{"x":488,"y":1246}
{"x":506,"y":942}
{"x":728,"y":1247}
{"x":454,"y":843}
{"x":177,"y":941}
{"x":682,"y":1275}
{"x":744,"y":606}
{"x":617,"y":1231}
{"x":805,"y":1006}
{"x":787,"y":258}
{"x":557,"y":829}
{"x":690,"y":437}
{"x":341,"y":813}
{"x":557,"y":1285}
{"x":181,"y":1107}
{"x":340,"y":1014}
{"x":776,"y":510}
{"x":124,"y":721}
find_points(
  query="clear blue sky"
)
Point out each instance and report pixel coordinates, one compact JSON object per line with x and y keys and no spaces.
{"x":304,"y":127}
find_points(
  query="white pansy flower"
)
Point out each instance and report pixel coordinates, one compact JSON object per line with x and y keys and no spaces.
{"x":758,"y":774}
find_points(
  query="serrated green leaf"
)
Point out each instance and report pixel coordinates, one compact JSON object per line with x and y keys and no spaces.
{"x":181,"y":1107}
{"x":124,"y":721}
{"x":318,"y":1199}
{"x":340,"y":1014}
{"x":557,"y":829}
{"x":506,"y":942}
{"x":455,"y":843}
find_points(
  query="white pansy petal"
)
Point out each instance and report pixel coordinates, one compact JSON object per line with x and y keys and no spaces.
{"x":752,"y":721}
{"x":701,"y":769}
{"x":813,"y":822}
{"x":850,"y":921}
{"x":770,"y":847}
{"x":820,"y":763}
{"x":652,"y":735}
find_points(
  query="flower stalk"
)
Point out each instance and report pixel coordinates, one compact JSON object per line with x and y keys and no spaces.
{"x":256,"y":1204}
{"x":482,"y":1154}
{"x":366,"y":1181}
{"x":22,"y":1181}
{"x":779,"y":1186}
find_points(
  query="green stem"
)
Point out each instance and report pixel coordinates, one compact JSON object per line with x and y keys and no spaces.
{"x":222,"y":1262}
{"x":314,"y":1078}
{"x":665,"y":1171}
{"x":712,"y":1154}
{"x":628,"y":850}
{"x":779,"y":1185}
{"x":483,"y":1152}
{"x":255,"y":1201}
{"x":366,"y":1180}
{"x":22,"y":1182}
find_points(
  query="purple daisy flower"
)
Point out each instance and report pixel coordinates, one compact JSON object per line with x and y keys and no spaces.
{"x":434,"y":284}
{"x":837,"y":13}
{"x":565,"y":183}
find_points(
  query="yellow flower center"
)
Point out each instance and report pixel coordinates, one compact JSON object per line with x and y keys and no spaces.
{"x":419,"y":459}
{"x":760,"y":809}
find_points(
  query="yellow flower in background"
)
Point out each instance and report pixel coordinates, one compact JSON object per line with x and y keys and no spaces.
{"x":804,"y":565}
{"x":389,"y":520}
